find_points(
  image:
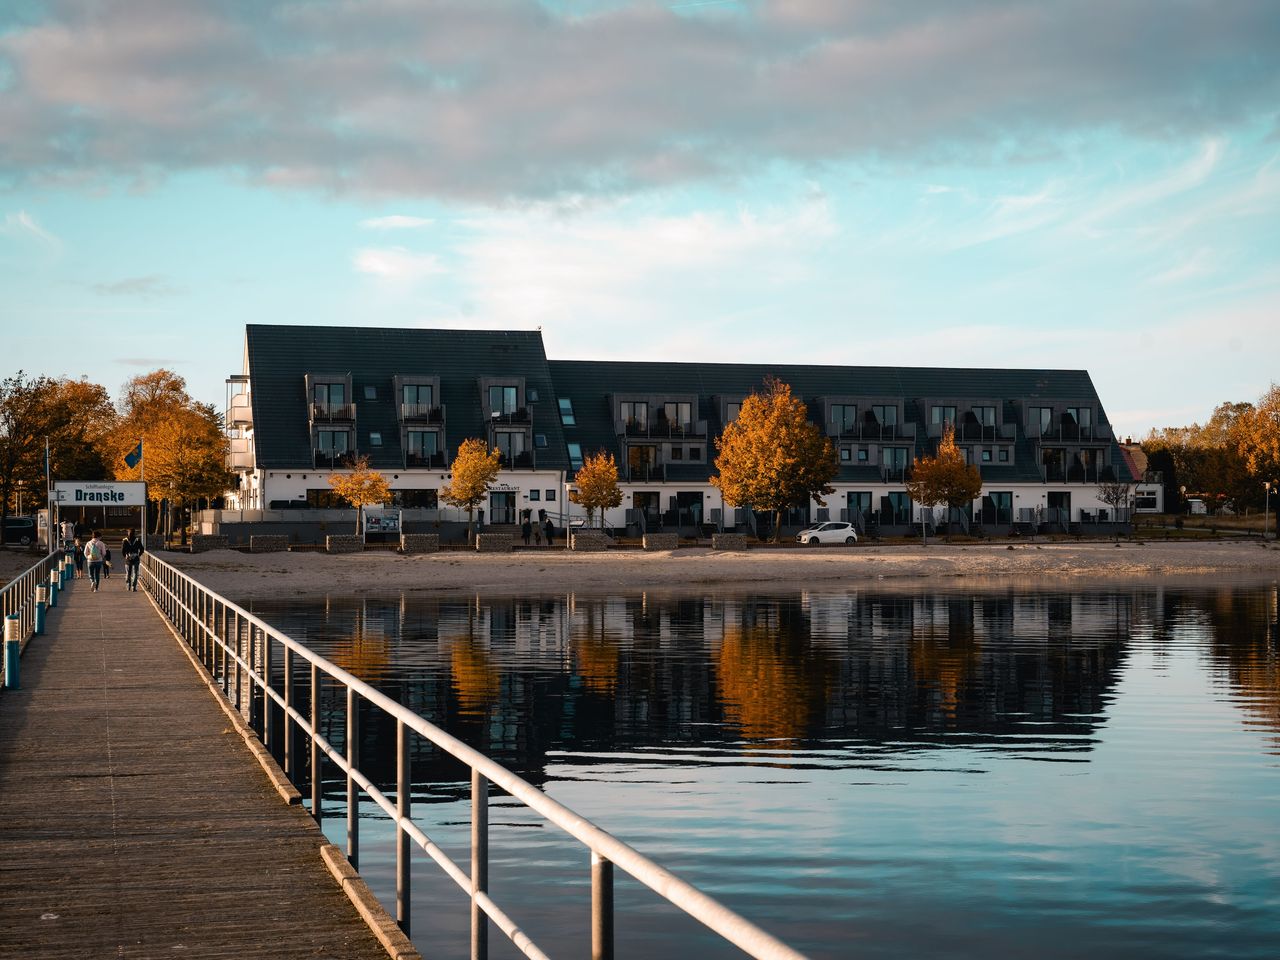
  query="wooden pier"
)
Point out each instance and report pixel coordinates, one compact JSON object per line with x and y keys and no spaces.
{"x":134,"y":822}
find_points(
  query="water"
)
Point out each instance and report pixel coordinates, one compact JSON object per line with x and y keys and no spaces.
{"x":1016,"y":772}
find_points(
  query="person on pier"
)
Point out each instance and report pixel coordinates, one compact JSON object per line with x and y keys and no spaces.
{"x":132,"y":550}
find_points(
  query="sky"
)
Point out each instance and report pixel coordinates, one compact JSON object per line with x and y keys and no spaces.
{"x":1085,"y":184}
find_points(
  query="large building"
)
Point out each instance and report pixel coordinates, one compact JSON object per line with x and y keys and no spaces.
{"x":311,"y":399}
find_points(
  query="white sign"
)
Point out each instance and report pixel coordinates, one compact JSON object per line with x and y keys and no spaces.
{"x":95,"y":493}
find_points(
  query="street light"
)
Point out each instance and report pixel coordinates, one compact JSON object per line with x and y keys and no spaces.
{"x":1266,"y":509}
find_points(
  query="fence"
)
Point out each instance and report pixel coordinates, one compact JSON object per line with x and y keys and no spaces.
{"x":18,"y":597}
{"x":233,"y":643}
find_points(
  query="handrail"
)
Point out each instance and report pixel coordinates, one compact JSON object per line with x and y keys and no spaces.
{"x":18,"y":596}
{"x":196,"y":611}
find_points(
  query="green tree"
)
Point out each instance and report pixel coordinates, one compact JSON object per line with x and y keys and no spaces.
{"x":361,"y":487}
{"x":944,"y":478}
{"x":596,"y":483}
{"x":473,"y":472}
{"x":772,"y":456}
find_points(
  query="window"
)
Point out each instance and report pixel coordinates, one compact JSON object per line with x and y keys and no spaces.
{"x":862,"y":455}
{"x":896,"y":509}
{"x":540,"y":441}
{"x":1041,"y":420}
{"x":371,"y":393}
{"x":844,"y":416}
{"x":677,"y":453}
{"x":731,"y":411}
{"x":894,"y":458}
{"x":375,"y":439}
{"x":575,"y":454}
{"x":986,"y":455}
{"x":332,"y":442}
{"x":566,"y":412}
{"x":502,"y":400}
{"x":550,"y":495}
{"x":846,"y":455}
{"x":415,"y":499}
{"x":680,"y":414}
{"x":886,"y":416}
{"x":417,"y":395}
{"x":1004,"y":455}
{"x":985,"y":416}
{"x":635,"y":415}
{"x":533,"y":496}
{"x":422,"y":443}
{"x":326,"y":500}
{"x":939,"y":415}
{"x":695,"y":453}
{"x":330,"y":394}
{"x":510,"y":443}
{"x":531,"y":394}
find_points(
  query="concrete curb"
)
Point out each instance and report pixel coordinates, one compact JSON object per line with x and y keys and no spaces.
{"x":384,"y":928}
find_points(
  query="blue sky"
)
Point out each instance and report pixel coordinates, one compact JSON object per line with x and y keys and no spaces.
{"x":1089,"y":185}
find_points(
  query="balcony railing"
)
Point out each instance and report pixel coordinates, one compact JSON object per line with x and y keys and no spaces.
{"x":333,"y":411}
{"x":333,"y":459}
{"x":1078,"y":473}
{"x":519,"y":416}
{"x":429,"y":461}
{"x":241,"y":412}
{"x":1071,"y":431}
{"x":521,"y":461}
{"x":653,"y":473}
{"x":422,"y":412}
{"x":877,"y":431}
{"x":895,"y":474}
{"x":665,"y":429}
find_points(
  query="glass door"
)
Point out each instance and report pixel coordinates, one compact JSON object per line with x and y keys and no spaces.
{"x":502,"y":508}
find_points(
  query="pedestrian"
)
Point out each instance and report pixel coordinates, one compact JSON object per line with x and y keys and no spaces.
{"x":537,"y":535}
{"x":79,"y":557}
{"x":68,"y":532}
{"x":132,"y":550}
{"x":551,"y":533}
{"x":95,"y":551}
{"x":106,"y":562}
{"x":526,"y":530}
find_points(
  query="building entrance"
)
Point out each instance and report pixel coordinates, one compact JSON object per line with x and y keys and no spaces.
{"x":502,"y":509}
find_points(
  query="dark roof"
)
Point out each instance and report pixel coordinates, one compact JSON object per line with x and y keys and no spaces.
{"x":590,"y":383}
{"x":280,"y":357}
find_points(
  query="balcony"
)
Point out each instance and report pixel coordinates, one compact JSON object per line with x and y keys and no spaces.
{"x":333,"y":412}
{"x":240,"y":454}
{"x":894,"y":474}
{"x":518,"y":417}
{"x":1078,"y":473}
{"x":421,"y":413}
{"x":1072,"y":432}
{"x":666,"y":429}
{"x":426,"y":461}
{"x":652,"y":473}
{"x":877,"y":431}
{"x":335,"y":459}
{"x":521,"y":461}
{"x":240,"y":413}
{"x":979,"y":432}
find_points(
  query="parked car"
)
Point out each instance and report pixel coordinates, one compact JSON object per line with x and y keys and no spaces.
{"x":20,"y":530}
{"x":833,"y":532}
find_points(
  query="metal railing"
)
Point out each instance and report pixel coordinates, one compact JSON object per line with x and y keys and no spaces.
{"x":230,"y":641}
{"x":18,"y":596}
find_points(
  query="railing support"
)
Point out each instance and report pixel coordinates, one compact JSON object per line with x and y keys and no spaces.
{"x":601,"y":908}
{"x":317,"y":781}
{"x":287,"y":664}
{"x":353,"y":791}
{"x":404,"y":782}
{"x":479,"y":863}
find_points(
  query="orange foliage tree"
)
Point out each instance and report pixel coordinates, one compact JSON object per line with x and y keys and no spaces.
{"x":596,"y":483}
{"x":361,"y":487}
{"x":474,"y":470}
{"x":944,"y":478}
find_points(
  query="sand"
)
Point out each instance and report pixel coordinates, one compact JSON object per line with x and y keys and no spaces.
{"x":252,"y":576}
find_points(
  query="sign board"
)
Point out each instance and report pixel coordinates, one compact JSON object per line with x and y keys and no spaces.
{"x":380,"y":520}
{"x":99,"y":493}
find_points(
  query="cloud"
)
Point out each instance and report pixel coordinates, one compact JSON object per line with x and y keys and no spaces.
{"x":23,"y":224}
{"x":397,"y":263}
{"x":149,"y":286}
{"x":395,"y":222}
{"x":493,"y":101}
{"x":150,"y":363}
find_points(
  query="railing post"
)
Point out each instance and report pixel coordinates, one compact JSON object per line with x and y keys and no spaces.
{"x":601,"y":907}
{"x":222,"y":647}
{"x":42,"y":601}
{"x":268,"y":725}
{"x":353,"y":797}
{"x":403,"y":799}
{"x":479,"y":864}
{"x":12,"y":649}
{"x":317,"y":782}
{"x":287,"y":664}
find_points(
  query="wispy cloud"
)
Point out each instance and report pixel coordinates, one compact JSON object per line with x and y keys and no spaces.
{"x":22,"y":224}
{"x":395,"y":222}
{"x":150,"y":286}
{"x":1198,"y":264}
{"x":149,"y":363}
{"x":397,"y":263}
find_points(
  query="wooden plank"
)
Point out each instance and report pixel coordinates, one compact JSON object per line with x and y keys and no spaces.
{"x":133,"y":821}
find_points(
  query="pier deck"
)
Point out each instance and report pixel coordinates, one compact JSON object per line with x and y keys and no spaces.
{"x":133,"y":820}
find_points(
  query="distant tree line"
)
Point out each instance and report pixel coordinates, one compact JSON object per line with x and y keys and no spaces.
{"x":1227,"y":459}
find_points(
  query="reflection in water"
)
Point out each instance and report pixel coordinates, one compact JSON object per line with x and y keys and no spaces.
{"x":862,"y":757}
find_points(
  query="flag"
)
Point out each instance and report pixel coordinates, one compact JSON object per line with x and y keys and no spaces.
{"x":133,"y":457}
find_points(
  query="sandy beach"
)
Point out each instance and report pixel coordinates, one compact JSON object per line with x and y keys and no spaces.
{"x":244,"y":576}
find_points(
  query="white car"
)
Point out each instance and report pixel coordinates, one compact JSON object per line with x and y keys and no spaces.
{"x":828,"y":533}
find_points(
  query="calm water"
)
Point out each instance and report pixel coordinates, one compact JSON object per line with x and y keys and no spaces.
{"x":871,"y":774}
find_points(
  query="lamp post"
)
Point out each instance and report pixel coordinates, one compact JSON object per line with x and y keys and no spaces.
{"x":1182,"y":499}
{"x":1266,"y":510}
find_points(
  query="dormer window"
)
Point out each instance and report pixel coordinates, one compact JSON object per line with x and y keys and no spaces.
{"x":942,"y":414}
{"x":330,"y":394}
{"x":502,"y":399}
{"x":986,"y":416}
{"x":634,"y":414}
{"x":421,"y":395}
{"x":678,"y":413}
{"x":844,"y":416}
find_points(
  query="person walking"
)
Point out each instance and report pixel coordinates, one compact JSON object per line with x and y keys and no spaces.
{"x":78,"y":547}
{"x":95,"y":551}
{"x":551,"y":533}
{"x":106,"y":562}
{"x":132,"y":550}
{"x":526,"y":530}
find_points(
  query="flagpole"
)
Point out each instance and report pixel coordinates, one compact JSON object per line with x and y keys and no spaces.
{"x":48,"y":499}
{"x":142,"y":464}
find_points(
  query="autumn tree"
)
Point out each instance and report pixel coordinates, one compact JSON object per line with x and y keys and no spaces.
{"x":24,"y":425}
{"x":772,"y":456}
{"x":473,"y":470}
{"x":597,"y":485}
{"x":1256,"y":438}
{"x":944,"y":479}
{"x":361,"y":487}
